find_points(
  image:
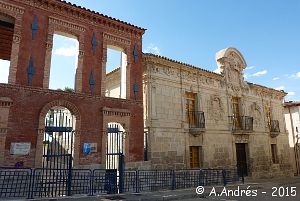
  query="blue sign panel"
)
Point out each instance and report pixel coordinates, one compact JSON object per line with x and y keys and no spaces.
{"x":86,"y":148}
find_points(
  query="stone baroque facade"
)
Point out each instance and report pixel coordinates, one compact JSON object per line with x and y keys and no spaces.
{"x":172,"y":137}
{"x":24,"y":102}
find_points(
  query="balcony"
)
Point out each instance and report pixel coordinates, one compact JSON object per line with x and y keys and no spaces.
{"x":196,"y":122}
{"x":274,"y":128}
{"x":242,"y":124}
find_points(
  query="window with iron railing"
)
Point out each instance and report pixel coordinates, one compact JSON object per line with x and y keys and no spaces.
{"x":274,"y":126}
{"x":268,"y":116}
{"x":196,"y":119}
{"x":190,"y":105}
{"x":242,"y":123}
{"x":236,"y":111}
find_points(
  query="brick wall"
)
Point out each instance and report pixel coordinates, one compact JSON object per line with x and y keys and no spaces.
{"x":31,"y":101}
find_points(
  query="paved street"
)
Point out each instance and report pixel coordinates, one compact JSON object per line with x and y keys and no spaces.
{"x":266,"y":190}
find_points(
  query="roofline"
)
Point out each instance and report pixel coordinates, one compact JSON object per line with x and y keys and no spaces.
{"x":106,"y":16}
{"x":291,"y":103}
{"x":181,"y":63}
{"x":83,"y":13}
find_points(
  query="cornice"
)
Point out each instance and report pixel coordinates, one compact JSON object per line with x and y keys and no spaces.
{"x":164,"y":61}
{"x":292,"y":104}
{"x":107,"y":36}
{"x":67,"y":9}
{"x":66,"y":24}
{"x":266,"y":92}
{"x":8,"y":6}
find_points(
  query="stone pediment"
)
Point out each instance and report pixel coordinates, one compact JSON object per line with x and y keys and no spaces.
{"x":231,"y":64}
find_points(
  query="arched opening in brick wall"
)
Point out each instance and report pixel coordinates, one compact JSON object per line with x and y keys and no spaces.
{"x":58,"y":141}
{"x":116,"y":72}
{"x":63,"y":61}
{"x":70,"y":123}
{"x":7,"y":24}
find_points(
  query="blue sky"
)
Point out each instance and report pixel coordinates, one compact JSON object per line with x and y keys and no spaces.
{"x":266,"y":32}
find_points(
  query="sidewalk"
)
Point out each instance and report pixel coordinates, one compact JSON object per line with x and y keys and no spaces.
{"x":172,"y":194}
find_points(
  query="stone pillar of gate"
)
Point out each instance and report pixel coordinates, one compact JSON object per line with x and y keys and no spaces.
{"x":5,"y":104}
{"x":39,"y":148}
{"x":76,"y":149}
{"x":103,"y":145}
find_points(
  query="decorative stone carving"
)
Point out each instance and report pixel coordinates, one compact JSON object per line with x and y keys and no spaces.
{"x":216,"y":108}
{"x":241,"y":138}
{"x":49,"y":46}
{"x":256,"y":113}
{"x":81,"y":54}
{"x":168,"y":71}
{"x":16,"y":39}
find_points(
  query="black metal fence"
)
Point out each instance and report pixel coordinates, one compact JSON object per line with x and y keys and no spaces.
{"x":242,"y":123}
{"x":31,"y":183}
{"x":274,"y":126}
{"x":196,"y":119}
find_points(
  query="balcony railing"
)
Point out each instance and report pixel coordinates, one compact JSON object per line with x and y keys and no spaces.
{"x":274,"y":126}
{"x":196,"y":119}
{"x":242,"y":123}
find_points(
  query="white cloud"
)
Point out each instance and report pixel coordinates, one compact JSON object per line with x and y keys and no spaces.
{"x":295,"y":76}
{"x":259,"y":73}
{"x":246,"y":76}
{"x":69,"y":51}
{"x":276,"y":78}
{"x":280,"y":88}
{"x":152,"y":49}
{"x":248,"y":68}
{"x":291,"y":93}
{"x":217,"y":71}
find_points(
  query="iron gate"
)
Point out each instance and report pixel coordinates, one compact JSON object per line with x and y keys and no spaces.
{"x":114,"y":159}
{"x":54,"y":178}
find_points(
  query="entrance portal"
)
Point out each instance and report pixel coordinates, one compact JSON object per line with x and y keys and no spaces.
{"x":241,"y":158}
{"x":54,"y":178}
{"x":114,"y":158}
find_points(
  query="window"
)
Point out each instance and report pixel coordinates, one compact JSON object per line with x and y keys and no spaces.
{"x":268,"y":115}
{"x":236,"y":112}
{"x":7,"y":25}
{"x":274,"y":153}
{"x":116,"y":72}
{"x":195,"y":156}
{"x":63,"y":62}
{"x":190,"y":107}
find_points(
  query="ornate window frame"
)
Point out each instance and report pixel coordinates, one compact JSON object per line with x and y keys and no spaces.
{"x":56,"y":24}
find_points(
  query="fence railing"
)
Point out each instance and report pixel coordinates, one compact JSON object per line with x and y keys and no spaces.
{"x":196,"y":119}
{"x":32,"y":183}
{"x":242,"y":123}
{"x":274,"y":126}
